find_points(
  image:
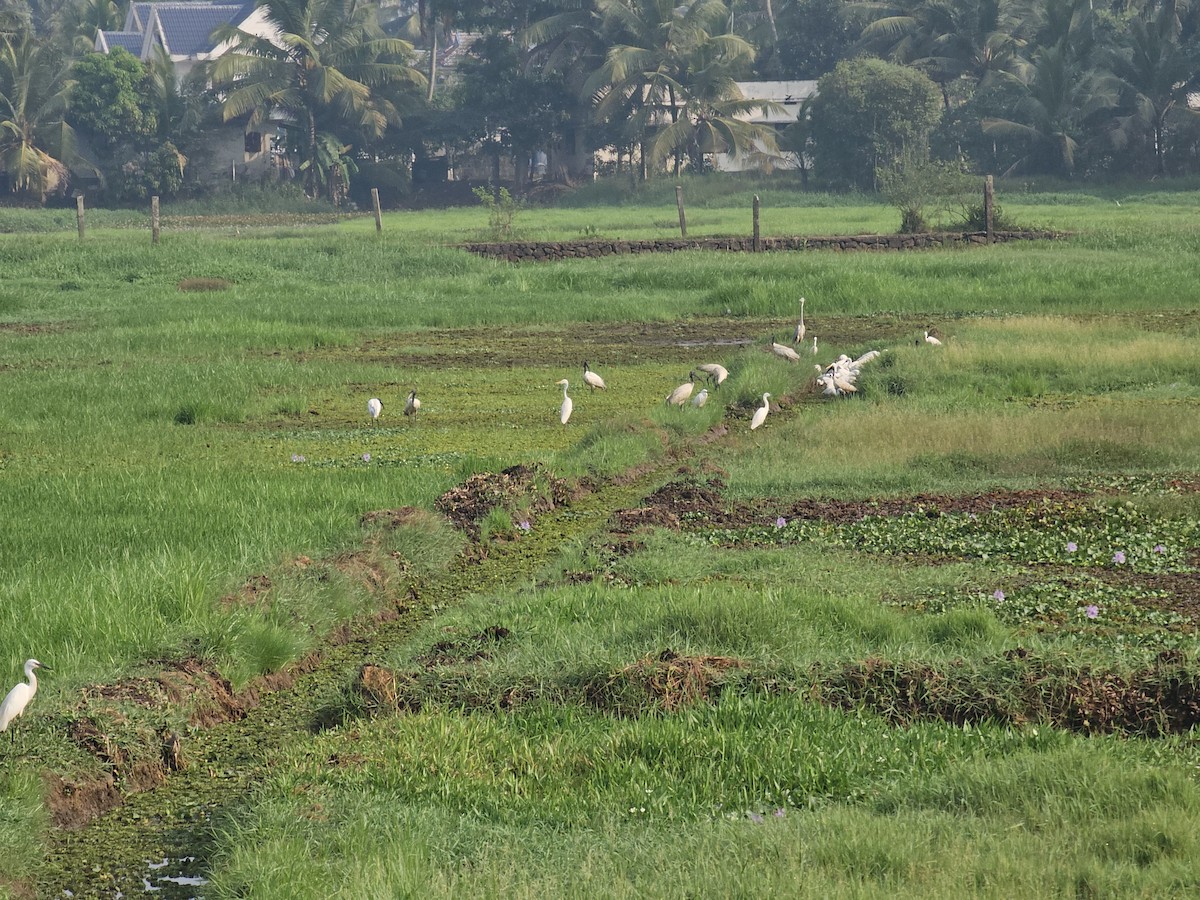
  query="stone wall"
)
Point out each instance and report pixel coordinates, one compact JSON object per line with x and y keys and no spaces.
{"x":526,"y":251}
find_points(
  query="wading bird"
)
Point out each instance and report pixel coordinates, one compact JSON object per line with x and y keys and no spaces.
{"x":760,"y":414}
{"x":374,"y":407}
{"x":784,"y":350}
{"x":18,"y":698}
{"x":930,"y":339}
{"x":799,"y":335}
{"x":701,"y":398}
{"x":593,"y":380}
{"x":564,"y":412}
{"x":412,"y":404}
{"x":716,"y":373}
{"x":680,"y":395}
{"x":814,"y":347}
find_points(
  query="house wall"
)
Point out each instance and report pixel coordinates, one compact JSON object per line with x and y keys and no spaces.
{"x":228,"y":159}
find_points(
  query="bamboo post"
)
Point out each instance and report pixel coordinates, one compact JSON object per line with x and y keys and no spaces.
{"x":79,"y":215}
{"x":757,"y":234}
{"x":154,"y":219}
{"x":679,"y":204}
{"x":378,"y":214}
{"x":989,"y":206}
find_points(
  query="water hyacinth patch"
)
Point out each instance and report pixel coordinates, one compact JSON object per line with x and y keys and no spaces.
{"x":998,"y":596}
{"x":1092,"y":611}
{"x":1159,"y":548}
{"x":1029,"y":534}
{"x":781,"y":522}
{"x":366,"y":457}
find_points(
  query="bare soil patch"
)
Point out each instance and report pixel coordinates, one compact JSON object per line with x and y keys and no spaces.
{"x":1021,"y":688}
{"x":529,"y":488}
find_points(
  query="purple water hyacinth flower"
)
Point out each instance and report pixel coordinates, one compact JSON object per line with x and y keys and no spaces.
{"x":999,"y":595}
{"x":297,"y":458}
{"x":1119,"y":557}
{"x":756,"y":818}
{"x":780,"y":522}
{"x":1159,"y":548}
{"x":366,"y":457}
{"x":523,"y":524}
{"x":1092,"y":611}
{"x":780,"y":813}
{"x":1072,"y":546}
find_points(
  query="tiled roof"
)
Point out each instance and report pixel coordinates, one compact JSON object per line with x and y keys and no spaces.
{"x":130,"y":40}
{"x":137,"y":17}
{"x":187,"y":27}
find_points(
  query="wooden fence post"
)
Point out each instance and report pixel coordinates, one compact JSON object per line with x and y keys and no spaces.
{"x":679,"y":204}
{"x":989,"y":206}
{"x":154,"y":219}
{"x":79,"y":215}
{"x":757,"y":246}
{"x":378,"y":215}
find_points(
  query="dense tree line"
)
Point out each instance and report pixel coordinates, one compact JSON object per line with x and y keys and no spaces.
{"x":1075,"y":88}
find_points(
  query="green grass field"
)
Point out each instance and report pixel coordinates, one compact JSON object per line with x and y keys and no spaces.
{"x":163,"y":448}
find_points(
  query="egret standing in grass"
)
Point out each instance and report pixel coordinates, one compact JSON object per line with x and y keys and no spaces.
{"x":564,"y":412}
{"x":715,"y":371}
{"x":760,"y":414}
{"x":701,"y":398}
{"x":680,"y":395}
{"x":412,"y":404}
{"x":814,"y":349}
{"x":799,"y":336}
{"x":930,"y":339}
{"x":374,"y":408}
{"x":18,"y":698}
{"x":593,"y":380}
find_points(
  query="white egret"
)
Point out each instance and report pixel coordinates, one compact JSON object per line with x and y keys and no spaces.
{"x":701,"y":398}
{"x":760,"y":414}
{"x":593,"y":380}
{"x":784,"y":350}
{"x":930,"y":339}
{"x":799,"y":336}
{"x":374,"y":407}
{"x":715,"y":372}
{"x":18,"y":698}
{"x":814,"y":349}
{"x":412,"y":404}
{"x":680,"y":395}
{"x":567,"y":405}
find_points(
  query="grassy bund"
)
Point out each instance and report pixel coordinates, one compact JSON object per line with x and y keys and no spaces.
{"x":937,"y":639}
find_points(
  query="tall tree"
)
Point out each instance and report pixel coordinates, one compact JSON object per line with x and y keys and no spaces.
{"x":36,"y":143}
{"x":320,"y":73}
{"x":1157,"y":72}
{"x":951,"y":39}
{"x":657,"y":50}
{"x":867,"y":114}
{"x":1056,"y":99}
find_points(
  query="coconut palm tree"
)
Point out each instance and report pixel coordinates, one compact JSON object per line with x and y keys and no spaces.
{"x":1156,"y":72}
{"x":1056,"y":98}
{"x":661,"y":57}
{"x":325,"y":70}
{"x":36,"y":144}
{"x":951,"y":39}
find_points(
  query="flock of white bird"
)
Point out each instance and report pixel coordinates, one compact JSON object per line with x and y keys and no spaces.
{"x":835,"y":380}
